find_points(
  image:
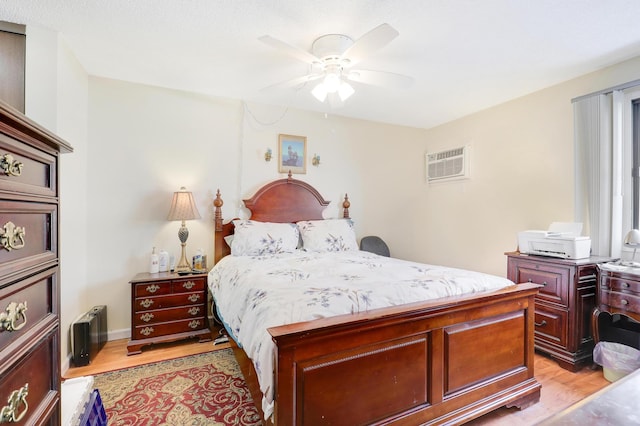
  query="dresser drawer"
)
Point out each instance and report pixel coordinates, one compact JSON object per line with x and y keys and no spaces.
{"x":36,"y":294}
{"x":37,"y":373}
{"x":164,"y":315}
{"x":621,"y":301}
{"x":169,"y":301}
{"x":188,"y":285}
{"x":27,"y":231}
{"x":167,"y":328}
{"x":26,"y":170}
{"x":620,"y":284}
{"x":554,"y":280}
{"x":551,"y":325}
{"x":153,"y":288}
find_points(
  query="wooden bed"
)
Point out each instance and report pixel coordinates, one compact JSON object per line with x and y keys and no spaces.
{"x":444,"y":361}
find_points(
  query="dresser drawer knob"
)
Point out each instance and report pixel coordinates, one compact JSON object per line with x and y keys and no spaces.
{"x":153,"y":288}
{"x":147,"y":331}
{"x":194,"y":324}
{"x":147,"y":317}
{"x":541,"y":324}
{"x":14,"y":317}
{"x":194,"y":298}
{"x":146,"y":303}
{"x":194,"y":310}
{"x":10,"y":166}
{"x":18,"y":398}
{"x":188,"y":285}
{"x":625,"y":285}
{"x":624,"y":302}
{"x":12,"y":236}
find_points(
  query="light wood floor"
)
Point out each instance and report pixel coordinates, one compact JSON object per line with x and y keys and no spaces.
{"x":560,"y":388}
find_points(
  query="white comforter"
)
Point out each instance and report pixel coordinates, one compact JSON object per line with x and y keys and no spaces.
{"x":254,"y":293}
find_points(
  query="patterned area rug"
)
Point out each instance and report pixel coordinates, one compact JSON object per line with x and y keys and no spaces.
{"x":204,"y":389}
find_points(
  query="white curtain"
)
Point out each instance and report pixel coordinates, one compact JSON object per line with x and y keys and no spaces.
{"x":598,"y":168}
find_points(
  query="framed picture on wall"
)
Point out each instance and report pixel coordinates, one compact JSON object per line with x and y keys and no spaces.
{"x":292,"y":154}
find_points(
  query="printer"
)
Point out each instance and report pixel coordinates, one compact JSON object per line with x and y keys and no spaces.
{"x":562,"y":239}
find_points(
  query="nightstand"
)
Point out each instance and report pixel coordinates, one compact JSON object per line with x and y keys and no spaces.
{"x":166,"y":307}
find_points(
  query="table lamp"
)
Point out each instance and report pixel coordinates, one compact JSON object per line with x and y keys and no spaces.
{"x":632,"y":240}
{"x":183,"y":207}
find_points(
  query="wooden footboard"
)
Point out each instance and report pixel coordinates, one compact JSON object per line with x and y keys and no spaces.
{"x":449,"y":360}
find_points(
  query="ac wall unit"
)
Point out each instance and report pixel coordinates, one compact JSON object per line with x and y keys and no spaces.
{"x":448,"y":165}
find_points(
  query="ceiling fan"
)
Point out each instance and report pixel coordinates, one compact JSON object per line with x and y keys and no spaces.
{"x":332,"y":58}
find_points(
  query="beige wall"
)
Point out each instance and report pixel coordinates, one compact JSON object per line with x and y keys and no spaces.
{"x":522,"y":175}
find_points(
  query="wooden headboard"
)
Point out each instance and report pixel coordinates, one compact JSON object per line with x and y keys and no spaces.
{"x":284,"y":201}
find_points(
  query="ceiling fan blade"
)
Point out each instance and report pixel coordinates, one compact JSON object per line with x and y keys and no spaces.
{"x":374,"y":40}
{"x":380,"y":78}
{"x":294,"y":82}
{"x":297,"y":53}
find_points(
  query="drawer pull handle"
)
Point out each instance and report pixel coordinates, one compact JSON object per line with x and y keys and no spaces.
{"x":147,"y":331}
{"x":10,"y":166}
{"x":194,"y":310}
{"x":188,"y":285}
{"x":625,"y":285}
{"x":147,"y":317}
{"x":12,"y":236}
{"x":624,"y":302}
{"x":14,"y":313}
{"x":9,"y":413}
{"x":194,"y":297}
{"x":153,"y":288}
{"x":544,"y":283}
{"x":542,"y":324}
{"x":194,"y":324}
{"x":146,"y":303}
{"x":529,"y":280}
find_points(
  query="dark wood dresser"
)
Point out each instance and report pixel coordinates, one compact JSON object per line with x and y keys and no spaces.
{"x":563,"y":305}
{"x":166,"y":307}
{"x":29,"y":271}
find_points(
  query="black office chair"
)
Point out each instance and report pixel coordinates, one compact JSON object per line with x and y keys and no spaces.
{"x":375,"y":245}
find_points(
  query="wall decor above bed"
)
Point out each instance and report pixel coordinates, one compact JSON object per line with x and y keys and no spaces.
{"x":292,"y":154}
{"x":362,"y":346}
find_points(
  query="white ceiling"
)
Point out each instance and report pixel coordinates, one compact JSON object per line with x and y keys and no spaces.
{"x":464,"y":55}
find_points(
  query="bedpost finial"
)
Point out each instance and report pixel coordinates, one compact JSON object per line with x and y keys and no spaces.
{"x":289,"y":175}
{"x":345,"y":205}
{"x":217,"y":217}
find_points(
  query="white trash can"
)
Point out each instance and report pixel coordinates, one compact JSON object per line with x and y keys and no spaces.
{"x":617,"y":360}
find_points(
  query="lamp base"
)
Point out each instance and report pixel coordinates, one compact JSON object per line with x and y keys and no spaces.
{"x":183,"y":267}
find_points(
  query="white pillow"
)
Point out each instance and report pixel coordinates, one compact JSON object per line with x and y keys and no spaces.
{"x":253,"y":238}
{"x":328,"y":235}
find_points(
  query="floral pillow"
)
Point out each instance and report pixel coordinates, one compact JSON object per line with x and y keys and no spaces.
{"x":328,"y":235}
{"x":253,"y":238}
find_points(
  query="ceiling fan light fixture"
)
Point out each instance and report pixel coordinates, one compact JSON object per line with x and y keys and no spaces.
{"x":345,"y":91}
{"x":332,"y":82}
{"x":320,"y":92}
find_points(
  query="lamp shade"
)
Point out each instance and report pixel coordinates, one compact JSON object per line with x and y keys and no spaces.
{"x":632,"y":239}
{"x":183,"y":206}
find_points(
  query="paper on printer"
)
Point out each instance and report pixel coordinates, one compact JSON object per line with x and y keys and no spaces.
{"x":562,"y":239}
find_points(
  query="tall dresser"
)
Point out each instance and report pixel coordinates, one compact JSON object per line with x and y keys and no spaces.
{"x":563,"y":305}
{"x":29,"y":271}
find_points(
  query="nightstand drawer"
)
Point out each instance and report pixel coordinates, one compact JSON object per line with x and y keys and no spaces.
{"x":30,"y":228}
{"x":173,"y":327}
{"x":26,"y":170}
{"x":551,"y":325}
{"x":156,"y":288}
{"x":29,"y":303}
{"x":164,"y":315}
{"x":554,"y":280}
{"x":169,"y":301}
{"x":621,"y":301}
{"x":188,"y":284}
